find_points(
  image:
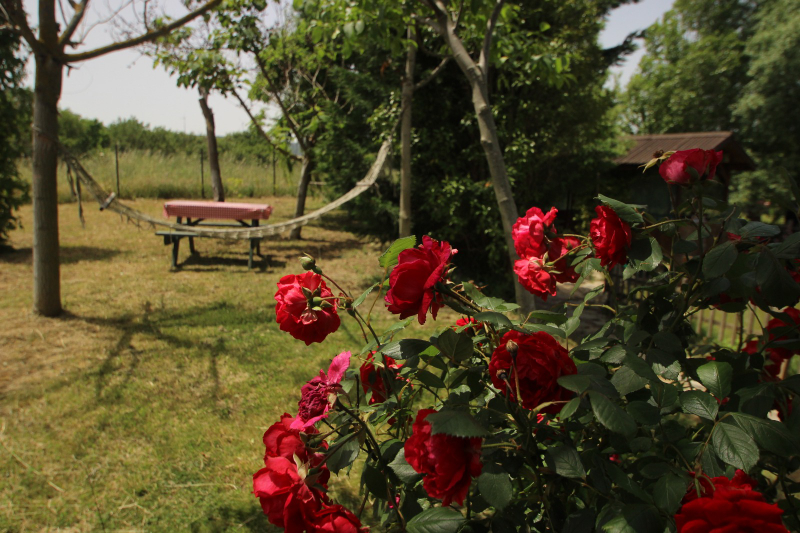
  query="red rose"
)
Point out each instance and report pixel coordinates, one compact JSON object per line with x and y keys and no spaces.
{"x":281,"y":440}
{"x":675,"y":170}
{"x":317,"y":395}
{"x":535,"y":276}
{"x":299,"y":314}
{"x":730,"y":508}
{"x":449,"y":463}
{"x":540,"y":361}
{"x":334,"y":519}
{"x":558,"y":253}
{"x":776,"y":323}
{"x":371,"y":379}
{"x":611,"y":237}
{"x":529,"y":232}
{"x":411,"y":282}
{"x":287,"y":497}
{"x":707,"y":487}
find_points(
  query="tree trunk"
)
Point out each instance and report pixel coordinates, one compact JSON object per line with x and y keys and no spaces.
{"x":491,"y":148}
{"x":407,"y":98}
{"x":302,"y":192}
{"x":46,"y":270}
{"x":213,"y":155}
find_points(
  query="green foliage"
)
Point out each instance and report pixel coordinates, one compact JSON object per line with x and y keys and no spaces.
{"x":727,"y":65}
{"x":15,"y":106}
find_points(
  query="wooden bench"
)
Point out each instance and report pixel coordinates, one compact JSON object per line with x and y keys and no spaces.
{"x":211,"y":210}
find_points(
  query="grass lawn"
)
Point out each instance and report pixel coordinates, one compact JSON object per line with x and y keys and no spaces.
{"x":143,"y":407}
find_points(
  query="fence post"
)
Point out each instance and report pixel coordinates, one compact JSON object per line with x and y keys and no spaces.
{"x":202,"y":178}
{"x":116,"y":162}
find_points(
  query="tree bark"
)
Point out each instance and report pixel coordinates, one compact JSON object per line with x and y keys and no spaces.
{"x":46,"y":269}
{"x":406,"y":101}
{"x":491,"y":145}
{"x":302,"y":192}
{"x":213,"y":154}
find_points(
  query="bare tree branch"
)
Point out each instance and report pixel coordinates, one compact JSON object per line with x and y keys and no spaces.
{"x":16,"y":16}
{"x":148,"y":36}
{"x":260,"y":129}
{"x":483,"y":61}
{"x":286,"y":112}
{"x":435,"y":72}
{"x":77,"y":17}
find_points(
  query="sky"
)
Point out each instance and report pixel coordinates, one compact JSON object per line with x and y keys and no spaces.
{"x":124,"y":84}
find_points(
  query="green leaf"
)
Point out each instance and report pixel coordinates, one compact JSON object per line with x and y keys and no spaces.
{"x":776,"y":284}
{"x":635,"y":519}
{"x":457,"y":346}
{"x":669,"y":492}
{"x":755,"y":229}
{"x":716,"y":376}
{"x":621,"y":479}
{"x":734,"y":446}
{"x":565,"y":461}
{"x":360,"y":300}
{"x":436,"y":520}
{"x":493,"y":304}
{"x":389,"y":257}
{"x":569,"y":408}
{"x":719,"y":260}
{"x":644,"y":413}
{"x":455,"y":423}
{"x":580,"y":522}
{"x":769,"y":434}
{"x":699,"y":403}
{"x":429,"y":379}
{"x":549,"y":317}
{"x":624,"y":211}
{"x":343,"y":456}
{"x":575,"y":383}
{"x":496,"y":319}
{"x":611,"y":415}
{"x":626,"y":381}
{"x":403,"y":470}
{"x":495,"y":486}
{"x":640,"y":366}
{"x":405,"y":348}
{"x":374,"y":480}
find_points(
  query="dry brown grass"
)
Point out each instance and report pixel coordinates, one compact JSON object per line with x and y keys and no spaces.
{"x":142,"y":408}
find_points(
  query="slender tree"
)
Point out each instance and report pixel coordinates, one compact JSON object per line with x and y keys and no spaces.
{"x":56,"y":33}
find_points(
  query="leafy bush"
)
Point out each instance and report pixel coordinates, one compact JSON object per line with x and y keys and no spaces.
{"x":492,"y":424}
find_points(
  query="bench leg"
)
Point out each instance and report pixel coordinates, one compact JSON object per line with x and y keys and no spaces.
{"x":175,"y":246}
{"x":253,"y":244}
{"x":191,"y":246}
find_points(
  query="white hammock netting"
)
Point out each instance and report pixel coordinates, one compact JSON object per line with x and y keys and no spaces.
{"x":109,"y":202}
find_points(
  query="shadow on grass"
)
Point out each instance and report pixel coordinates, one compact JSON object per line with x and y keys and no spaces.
{"x":225,"y":518}
{"x":68,"y":255}
{"x":154,"y":324}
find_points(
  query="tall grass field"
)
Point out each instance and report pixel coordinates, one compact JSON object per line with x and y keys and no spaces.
{"x":151,"y":175}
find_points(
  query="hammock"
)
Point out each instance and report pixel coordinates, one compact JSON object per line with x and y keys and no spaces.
{"x":110,"y":202}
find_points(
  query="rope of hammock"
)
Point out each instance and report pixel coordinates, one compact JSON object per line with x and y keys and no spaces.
{"x":108,"y":201}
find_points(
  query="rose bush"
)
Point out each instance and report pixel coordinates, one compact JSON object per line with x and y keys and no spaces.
{"x":545,"y":420}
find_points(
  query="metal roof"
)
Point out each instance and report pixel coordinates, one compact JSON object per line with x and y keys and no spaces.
{"x":644,"y":146}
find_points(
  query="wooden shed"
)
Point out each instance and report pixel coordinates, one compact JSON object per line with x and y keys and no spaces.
{"x":649,"y":188}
